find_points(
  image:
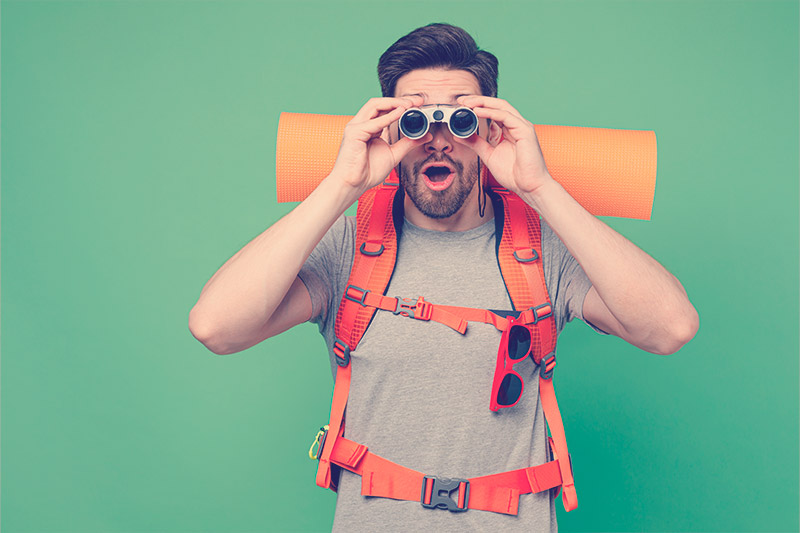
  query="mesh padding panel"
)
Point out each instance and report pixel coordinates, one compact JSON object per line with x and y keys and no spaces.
{"x":369,"y":272}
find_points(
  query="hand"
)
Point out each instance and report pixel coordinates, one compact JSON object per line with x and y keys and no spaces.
{"x":516,"y":162}
{"x":365,"y":157}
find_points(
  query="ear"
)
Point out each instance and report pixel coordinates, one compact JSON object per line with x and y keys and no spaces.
{"x":495,"y":133}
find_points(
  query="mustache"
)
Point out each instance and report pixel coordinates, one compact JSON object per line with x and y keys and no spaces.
{"x":433,"y":158}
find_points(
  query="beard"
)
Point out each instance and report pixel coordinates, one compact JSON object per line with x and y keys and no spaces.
{"x":439,"y":204}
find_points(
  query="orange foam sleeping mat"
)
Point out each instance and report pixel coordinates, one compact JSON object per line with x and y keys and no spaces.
{"x":610,"y":172}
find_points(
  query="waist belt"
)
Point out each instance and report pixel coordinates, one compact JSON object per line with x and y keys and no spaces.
{"x":498,"y":493}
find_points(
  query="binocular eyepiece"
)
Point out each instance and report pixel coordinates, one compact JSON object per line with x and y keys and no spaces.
{"x":415,"y":122}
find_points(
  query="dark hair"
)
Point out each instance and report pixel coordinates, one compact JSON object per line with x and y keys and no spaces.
{"x":437,"y":46}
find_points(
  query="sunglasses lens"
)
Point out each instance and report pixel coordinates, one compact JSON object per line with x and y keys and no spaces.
{"x":519,"y":342}
{"x":463,"y":123}
{"x":413,"y":124}
{"x":510,"y":390}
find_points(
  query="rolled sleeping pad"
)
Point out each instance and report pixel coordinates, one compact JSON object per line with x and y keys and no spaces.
{"x":610,"y":172}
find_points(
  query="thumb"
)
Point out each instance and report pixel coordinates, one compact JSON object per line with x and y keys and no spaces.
{"x":404,"y":145}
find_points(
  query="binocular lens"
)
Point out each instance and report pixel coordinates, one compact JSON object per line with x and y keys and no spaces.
{"x":413,"y":124}
{"x":463,"y":122}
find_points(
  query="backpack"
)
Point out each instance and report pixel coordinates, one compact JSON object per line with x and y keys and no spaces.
{"x":378,"y":222}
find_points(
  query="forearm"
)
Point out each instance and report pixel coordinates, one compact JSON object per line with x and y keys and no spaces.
{"x":647,"y":301}
{"x":241,"y":297}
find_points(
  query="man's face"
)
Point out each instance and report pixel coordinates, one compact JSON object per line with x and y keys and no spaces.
{"x":440,"y":175}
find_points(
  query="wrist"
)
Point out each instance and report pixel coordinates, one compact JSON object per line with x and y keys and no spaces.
{"x":335,"y":194}
{"x":344,"y":186}
{"x":544,"y":194}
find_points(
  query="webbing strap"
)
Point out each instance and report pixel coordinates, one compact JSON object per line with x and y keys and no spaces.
{"x":498,"y":493}
{"x":418,"y":309}
{"x":340,"y":392}
{"x":521,"y":245}
{"x":452,"y":316}
{"x":375,"y":255}
{"x":553,"y":416}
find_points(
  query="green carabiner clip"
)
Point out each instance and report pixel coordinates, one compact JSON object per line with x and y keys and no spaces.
{"x":318,"y":440}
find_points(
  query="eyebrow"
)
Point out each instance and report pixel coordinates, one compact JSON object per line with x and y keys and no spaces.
{"x":423,"y":95}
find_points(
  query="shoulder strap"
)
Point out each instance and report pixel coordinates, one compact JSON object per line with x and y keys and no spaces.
{"x":520,"y":257}
{"x":373,"y":263}
{"x":519,"y":254}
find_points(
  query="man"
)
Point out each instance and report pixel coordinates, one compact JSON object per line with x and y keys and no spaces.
{"x":419,"y":392}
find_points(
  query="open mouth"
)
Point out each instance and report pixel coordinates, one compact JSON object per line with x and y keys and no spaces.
{"x":438,"y":176}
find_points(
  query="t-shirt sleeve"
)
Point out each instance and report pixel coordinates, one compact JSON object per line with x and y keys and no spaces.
{"x":566,"y":281}
{"x":323,"y":271}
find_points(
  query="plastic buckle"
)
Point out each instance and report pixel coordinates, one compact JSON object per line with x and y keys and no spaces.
{"x":419,"y":309}
{"x":356,"y":300}
{"x":440,"y":494}
{"x":537,"y":317}
{"x":549,"y":361}
{"x":344,"y":349}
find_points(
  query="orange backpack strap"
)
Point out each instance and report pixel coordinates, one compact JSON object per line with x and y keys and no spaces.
{"x":520,"y":258}
{"x":373,"y":263}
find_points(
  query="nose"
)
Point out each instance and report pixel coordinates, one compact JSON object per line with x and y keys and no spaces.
{"x":442,"y":141}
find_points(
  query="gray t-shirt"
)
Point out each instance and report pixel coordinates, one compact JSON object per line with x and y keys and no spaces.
{"x":420,"y":391}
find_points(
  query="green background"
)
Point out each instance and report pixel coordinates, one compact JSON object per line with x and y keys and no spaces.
{"x":138,"y":155}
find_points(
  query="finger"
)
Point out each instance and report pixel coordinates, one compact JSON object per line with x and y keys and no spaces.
{"x":513,"y":125}
{"x":404,"y":145}
{"x":475,"y":100}
{"x":376,"y":125}
{"x":374,"y":106}
{"x":478,"y":144}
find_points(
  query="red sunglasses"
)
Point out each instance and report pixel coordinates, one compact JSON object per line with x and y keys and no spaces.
{"x":515,"y":345}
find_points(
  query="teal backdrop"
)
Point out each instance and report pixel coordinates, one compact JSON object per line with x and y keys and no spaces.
{"x":138,"y":155}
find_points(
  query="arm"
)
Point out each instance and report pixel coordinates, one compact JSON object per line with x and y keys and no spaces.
{"x":632,"y":296}
{"x":256,"y":294}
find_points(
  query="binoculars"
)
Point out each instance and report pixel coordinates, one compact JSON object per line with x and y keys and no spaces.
{"x":416,"y":122}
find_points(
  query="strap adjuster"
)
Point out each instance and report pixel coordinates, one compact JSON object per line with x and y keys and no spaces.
{"x":419,"y":309}
{"x":440,"y":494}
{"x":547,"y":366}
{"x":355,"y":294}
{"x":341,"y":352}
{"x":540,"y":312}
